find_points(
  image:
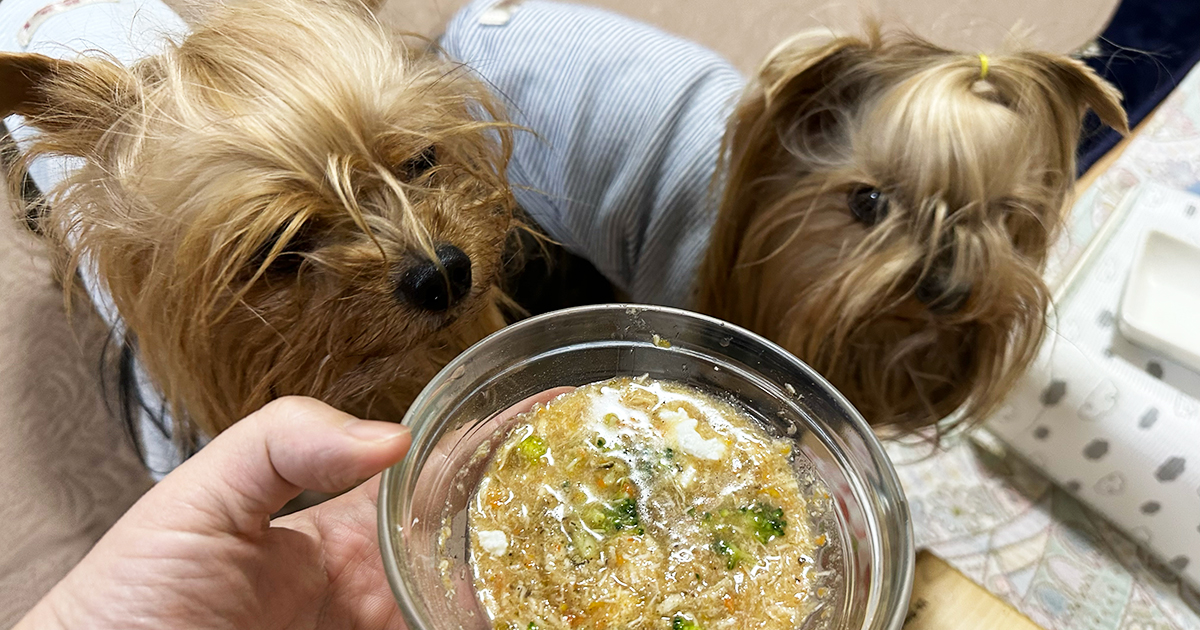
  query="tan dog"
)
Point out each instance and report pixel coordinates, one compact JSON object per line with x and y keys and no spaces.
{"x":290,"y":200}
{"x":881,"y":207}
{"x":888,"y":210}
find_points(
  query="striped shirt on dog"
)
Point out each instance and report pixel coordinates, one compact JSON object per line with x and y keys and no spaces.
{"x":627,"y":124}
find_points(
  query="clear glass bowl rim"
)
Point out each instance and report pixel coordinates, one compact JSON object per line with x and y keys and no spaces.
{"x":897,"y":590}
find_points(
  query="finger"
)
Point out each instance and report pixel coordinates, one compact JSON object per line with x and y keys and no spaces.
{"x":370,"y":489}
{"x":252,"y":469}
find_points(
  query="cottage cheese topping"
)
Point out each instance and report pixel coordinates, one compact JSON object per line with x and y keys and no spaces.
{"x":636,"y":504}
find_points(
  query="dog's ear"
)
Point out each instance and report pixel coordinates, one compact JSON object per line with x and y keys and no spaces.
{"x":1090,"y":91}
{"x":804,"y":63}
{"x":84,"y":98}
{"x":777,"y":111}
{"x":23,"y":76}
{"x":805,"y":78}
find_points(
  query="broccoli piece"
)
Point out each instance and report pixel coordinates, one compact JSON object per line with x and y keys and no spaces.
{"x":625,"y":515}
{"x":683,"y":623}
{"x":735,"y":530}
{"x":532,"y":448}
{"x":768,"y":520}
{"x":726,"y":548}
{"x":619,"y":515}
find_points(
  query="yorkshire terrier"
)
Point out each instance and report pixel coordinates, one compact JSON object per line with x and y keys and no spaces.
{"x":879,"y":206}
{"x":286,"y":199}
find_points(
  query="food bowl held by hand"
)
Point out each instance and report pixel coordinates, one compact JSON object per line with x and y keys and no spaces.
{"x":457,"y":422}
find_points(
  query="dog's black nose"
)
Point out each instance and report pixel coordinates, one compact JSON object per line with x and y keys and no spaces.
{"x":424,"y":284}
{"x":936,"y":294}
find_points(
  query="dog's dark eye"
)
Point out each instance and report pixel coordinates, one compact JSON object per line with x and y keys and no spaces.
{"x":419,"y":164}
{"x":868,"y":205}
{"x":289,"y":259}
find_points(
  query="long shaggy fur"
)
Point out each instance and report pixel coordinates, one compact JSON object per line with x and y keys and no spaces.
{"x":251,"y":196}
{"x":976,"y":171}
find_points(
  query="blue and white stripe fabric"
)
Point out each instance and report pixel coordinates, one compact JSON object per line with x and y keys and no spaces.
{"x":627,"y":124}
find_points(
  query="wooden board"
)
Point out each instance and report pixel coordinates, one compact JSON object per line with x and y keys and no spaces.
{"x":944,"y":599}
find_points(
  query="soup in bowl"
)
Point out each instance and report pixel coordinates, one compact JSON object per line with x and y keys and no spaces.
{"x":632,"y":467}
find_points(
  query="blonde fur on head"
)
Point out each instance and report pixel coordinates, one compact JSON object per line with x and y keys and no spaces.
{"x":888,"y":211}
{"x":277,"y":204}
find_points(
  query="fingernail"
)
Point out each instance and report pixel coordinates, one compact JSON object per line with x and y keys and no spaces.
{"x":375,"y":431}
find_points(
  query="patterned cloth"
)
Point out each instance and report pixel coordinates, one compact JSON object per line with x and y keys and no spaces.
{"x":1116,"y":424}
{"x":626,"y":128}
{"x":1006,"y":526}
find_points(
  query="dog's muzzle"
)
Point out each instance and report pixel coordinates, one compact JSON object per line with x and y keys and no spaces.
{"x":435,"y":286}
{"x":940,"y":297}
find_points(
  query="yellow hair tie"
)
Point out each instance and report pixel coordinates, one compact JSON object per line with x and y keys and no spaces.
{"x":983,"y":66}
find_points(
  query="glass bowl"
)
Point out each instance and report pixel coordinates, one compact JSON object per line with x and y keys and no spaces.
{"x":455,"y":426}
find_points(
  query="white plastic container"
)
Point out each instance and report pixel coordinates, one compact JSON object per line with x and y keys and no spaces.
{"x":1160,"y":309}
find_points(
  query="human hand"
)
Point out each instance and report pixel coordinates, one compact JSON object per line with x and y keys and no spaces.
{"x":199,"y":549}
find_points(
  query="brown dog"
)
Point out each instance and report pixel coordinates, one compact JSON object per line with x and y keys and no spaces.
{"x":888,"y":210}
{"x":880,"y":206}
{"x":288,"y":200}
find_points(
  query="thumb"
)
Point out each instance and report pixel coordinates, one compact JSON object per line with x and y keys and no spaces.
{"x":259,"y":464}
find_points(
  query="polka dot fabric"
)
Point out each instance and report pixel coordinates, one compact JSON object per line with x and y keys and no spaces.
{"x":1116,"y":424}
